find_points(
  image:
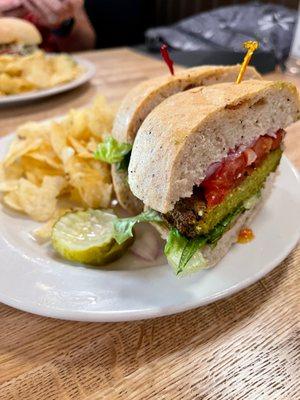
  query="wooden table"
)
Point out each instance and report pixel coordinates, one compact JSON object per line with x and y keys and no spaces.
{"x":243,"y":347}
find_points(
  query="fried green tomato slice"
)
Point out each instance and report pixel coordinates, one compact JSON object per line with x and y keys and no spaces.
{"x":193,"y":218}
{"x":87,"y":237}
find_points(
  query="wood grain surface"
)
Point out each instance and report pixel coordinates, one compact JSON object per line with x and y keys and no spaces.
{"x":243,"y":347}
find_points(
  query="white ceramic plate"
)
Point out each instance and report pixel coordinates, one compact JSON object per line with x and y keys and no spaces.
{"x":89,"y":71}
{"x":34,"y":279}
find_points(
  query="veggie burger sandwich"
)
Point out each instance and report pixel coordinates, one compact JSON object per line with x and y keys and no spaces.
{"x":204,"y":159}
{"x":200,"y":162}
{"x":139,"y":102}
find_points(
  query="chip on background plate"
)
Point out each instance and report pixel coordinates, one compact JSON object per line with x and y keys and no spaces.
{"x":35,"y":71}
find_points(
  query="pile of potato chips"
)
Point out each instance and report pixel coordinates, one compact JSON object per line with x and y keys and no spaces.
{"x":35,"y":71}
{"x":50,"y":166}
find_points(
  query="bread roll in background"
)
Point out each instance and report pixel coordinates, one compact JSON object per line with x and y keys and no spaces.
{"x":18,"y":31}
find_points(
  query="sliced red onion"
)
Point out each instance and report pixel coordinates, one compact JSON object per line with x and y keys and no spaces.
{"x":147,"y":245}
{"x":272,"y":132}
{"x":252,"y":143}
{"x":234,"y":153}
{"x":242,"y":147}
{"x":212,"y":169}
{"x":232,"y":156}
{"x":250,"y":156}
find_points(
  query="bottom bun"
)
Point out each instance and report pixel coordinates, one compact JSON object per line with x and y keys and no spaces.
{"x":214,"y":254}
{"x":124,"y":195}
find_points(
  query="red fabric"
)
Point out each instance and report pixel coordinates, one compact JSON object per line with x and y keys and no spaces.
{"x":49,"y":42}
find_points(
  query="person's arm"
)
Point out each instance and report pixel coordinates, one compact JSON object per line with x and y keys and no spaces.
{"x":52,"y":13}
{"x":10,"y":8}
{"x":81,"y":37}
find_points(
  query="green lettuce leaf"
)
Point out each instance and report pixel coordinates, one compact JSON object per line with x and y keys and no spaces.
{"x":123,"y":226}
{"x":174,"y":248}
{"x":190,"y":249}
{"x":123,"y":165}
{"x":185,"y":256}
{"x":111,"y":151}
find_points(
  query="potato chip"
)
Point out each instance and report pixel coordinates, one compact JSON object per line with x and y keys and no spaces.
{"x":92,"y":145}
{"x":9,"y":185}
{"x":80,"y":147}
{"x":50,"y":165}
{"x":12,"y":200}
{"x":36,"y":174}
{"x":40,"y":202}
{"x":13,"y":84}
{"x":96,"y":194}
{"x":64,"y":68}
{"x":34,"y":177}
{"x":58,"y":138}
{"x":67,"y":153}
{"x":33,"y":130}
{"x":43,"y":233}
{"x":75,"y":197}
{"x":37,"y":71}
{"x":89,"y":182}
{"x":30,"y":164}
{"x":13,"y":171}
{"x":100,"y":123}
{"x":46,"y":155}
{"x":77,"y":124}
{"x":20,"y":147}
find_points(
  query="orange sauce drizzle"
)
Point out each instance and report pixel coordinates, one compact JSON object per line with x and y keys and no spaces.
{"x":245,"y":235}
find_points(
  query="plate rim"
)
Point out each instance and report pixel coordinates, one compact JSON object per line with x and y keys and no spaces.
{"x":88,"y":74}
{"x":137,"y":315}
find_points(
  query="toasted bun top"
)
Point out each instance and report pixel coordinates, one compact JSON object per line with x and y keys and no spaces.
{"x":143,"y":98}
{"x":146,"y":96}
{"x":189,"y":131}
{"x":18,"y":31}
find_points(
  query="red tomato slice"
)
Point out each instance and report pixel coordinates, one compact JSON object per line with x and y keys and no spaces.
{"x":262,"y":147}
{"x":233,"y":171}
{"x":228,"y":175}
{"x":278,"y":139}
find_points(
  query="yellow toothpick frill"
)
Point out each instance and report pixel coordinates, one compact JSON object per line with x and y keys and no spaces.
{"x":251,"y":46}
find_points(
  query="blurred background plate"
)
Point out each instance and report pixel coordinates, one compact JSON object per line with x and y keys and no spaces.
{"x":89,"y":71}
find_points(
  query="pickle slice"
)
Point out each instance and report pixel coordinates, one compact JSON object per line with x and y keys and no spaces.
{"x":87,"y":237}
